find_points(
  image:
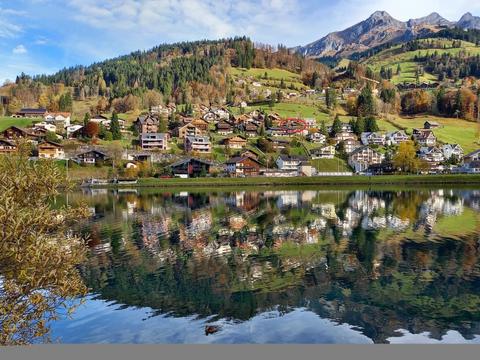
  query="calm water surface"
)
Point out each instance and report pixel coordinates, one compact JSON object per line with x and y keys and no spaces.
{"x":280,"y":267}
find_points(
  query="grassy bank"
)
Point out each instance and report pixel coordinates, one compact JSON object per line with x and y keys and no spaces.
{"x":306,"y":181}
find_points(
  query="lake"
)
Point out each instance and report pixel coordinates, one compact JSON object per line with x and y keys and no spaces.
{"x":295,"y":266}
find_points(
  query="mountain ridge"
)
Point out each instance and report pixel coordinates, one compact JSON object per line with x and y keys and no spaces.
{"x":378,"y":29}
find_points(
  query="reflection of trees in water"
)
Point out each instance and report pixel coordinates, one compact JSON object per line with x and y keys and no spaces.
{"x":267,"y":259}
{"x":38,"y":275}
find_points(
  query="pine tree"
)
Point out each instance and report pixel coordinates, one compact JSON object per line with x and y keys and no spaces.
{"x":115,"y":127}
{"x":86,"y":120}
{"x":336,"y":127}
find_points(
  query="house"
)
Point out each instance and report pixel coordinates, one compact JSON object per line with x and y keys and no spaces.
{"x":424,"y":137}
{"x":430,"y":125}
{"x":396,"y":137}
{"x":236,"y":142}
{"x":98,"y":119}
{"x":364,"y":157}
{"x":154,"y":141}
{"x":344,"y":136}
{"x":350,"y":145}
{"x":326,"y":152}
{"x":224,"y":128}
{"x":317,"y":138}
{"x":473,"y":156}
{"x":373,"y":138}
{"x":7,"y":146}
{"x":200,"y":124}
{"x":472,"y":167}
{"x":452,"y":150}
{"x":198,"y":144}
{"x":243,"y":166}
{"x":290,"y":162}
{"x":46,"y":126}
{"x":190,"y":167}
{"x":147,"y":124}
{"x":50,"y":150}
{"x":74,"y":131}
{"x":310,"y":123}
{"x":306,"y":169}
{"x":188,"y":130}
{"x":431,"y":154}
{"x":250,"y":154}
{"x":31,"y":113}
{"x":90,"y":157}
{"x":108,"y":123}
{"x":60,"y":119}
{"x":250,"y":129}
{"x":14,"y":132}
{"x":345,"y":128}
{"x":278,"y":144}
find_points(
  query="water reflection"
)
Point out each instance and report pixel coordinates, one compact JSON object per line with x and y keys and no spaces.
{"x":281,"y":266}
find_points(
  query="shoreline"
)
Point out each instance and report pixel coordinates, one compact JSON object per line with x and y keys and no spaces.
{"x":299,"y":181}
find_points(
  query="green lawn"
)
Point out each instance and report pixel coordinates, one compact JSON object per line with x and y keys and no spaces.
{"x":6,"y":122}
{"x":331,"y":165}
{"x":452,"y":131}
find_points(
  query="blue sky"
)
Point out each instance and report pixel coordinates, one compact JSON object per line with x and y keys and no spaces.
{"x":42,"y":36}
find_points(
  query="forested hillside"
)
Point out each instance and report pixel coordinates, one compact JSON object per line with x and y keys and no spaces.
{"x":187,"y":72}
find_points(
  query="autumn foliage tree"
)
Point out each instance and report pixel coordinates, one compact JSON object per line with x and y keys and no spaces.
{"x":416,"y":102}
{"x":39,"y":280}
{"x":92,"y":129}
{"x":405,"y":158}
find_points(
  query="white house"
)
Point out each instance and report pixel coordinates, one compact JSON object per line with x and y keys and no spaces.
{"x":450,"y":150}
{"x":327,"y":152}
{"x":59,"y":117}
{"x":396,"y":137}
{"x":431,"y":154}
{"x":372,"y":138}
{"x":317,"y":138}
{"x":364,"y":157}
{"x":286,"y":162}
{"x":45,"y":125}
{"x":73,"y":129}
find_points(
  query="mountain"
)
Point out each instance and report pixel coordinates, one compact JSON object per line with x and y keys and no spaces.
{"x":468,"y":21}
{"x":381,"y":28}
{"x":434,"y":19}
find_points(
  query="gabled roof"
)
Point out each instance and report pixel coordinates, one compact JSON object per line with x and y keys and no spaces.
{"x":32,"y":111}
{"x":473,"y":153}
{"x":187,"y":160}
{"x":8,"y":142}
{"x":51,"y":143}
{"x":93,"y":151}
{"x":239,"y":159}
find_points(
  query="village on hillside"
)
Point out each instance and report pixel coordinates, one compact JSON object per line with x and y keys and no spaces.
{"x":202,"y":141}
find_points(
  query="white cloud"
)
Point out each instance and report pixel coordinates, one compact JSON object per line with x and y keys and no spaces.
{"x":19,"y":50}
{"x":8,"y":29}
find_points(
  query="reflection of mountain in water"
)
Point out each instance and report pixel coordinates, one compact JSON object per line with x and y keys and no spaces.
{"x":380,"y":261}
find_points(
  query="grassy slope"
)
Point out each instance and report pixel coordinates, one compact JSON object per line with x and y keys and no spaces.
{"x":457,"y":131}
{"x":6,"y":122}
{"x":331,"y":165}
{"x":390,"y":58}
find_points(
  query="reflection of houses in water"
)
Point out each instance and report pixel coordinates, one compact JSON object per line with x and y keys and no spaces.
{"x":237,"y":222}
{"x":244,"y":200}
{"x":363,"y":203}
{"x":288,"y":199}
{"x":151,"y":229}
